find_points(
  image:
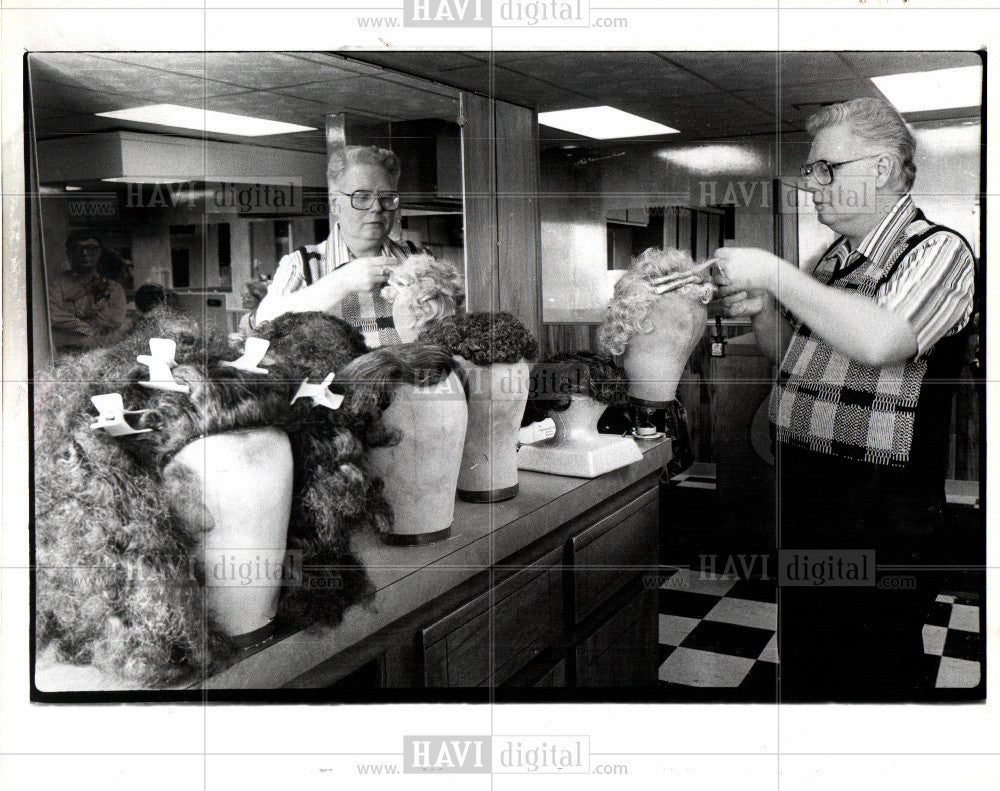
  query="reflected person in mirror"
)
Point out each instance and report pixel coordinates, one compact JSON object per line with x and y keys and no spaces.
{"x":86,"y":309}
{"x":344,"y":275}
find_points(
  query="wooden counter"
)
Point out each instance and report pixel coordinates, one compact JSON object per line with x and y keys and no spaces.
{"x":423,"y":594}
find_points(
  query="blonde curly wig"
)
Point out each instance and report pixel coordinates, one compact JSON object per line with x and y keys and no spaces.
{"x":626,"y":314}
{"x":436,"y":288}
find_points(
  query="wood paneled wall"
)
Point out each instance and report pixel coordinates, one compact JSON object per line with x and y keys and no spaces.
{"x":500,"y":152}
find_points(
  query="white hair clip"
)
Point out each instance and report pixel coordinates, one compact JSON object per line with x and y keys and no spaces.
{"x":253,"y":352}
{"x":320,"y":394}
{"x":159,"y":361}
{"x":111,"y":415}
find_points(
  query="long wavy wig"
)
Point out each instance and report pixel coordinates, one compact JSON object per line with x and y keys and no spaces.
{"x":116,"y":542}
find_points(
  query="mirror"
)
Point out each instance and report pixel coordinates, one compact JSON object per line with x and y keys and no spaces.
{"x":197,"y":201}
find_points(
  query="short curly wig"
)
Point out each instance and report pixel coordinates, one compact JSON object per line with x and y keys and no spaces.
{"x":626,"y":313}
{"x":435,"y":288}
{"x":483,"y":338}
{"x":558,"y":378}
{"x":114,"y":541}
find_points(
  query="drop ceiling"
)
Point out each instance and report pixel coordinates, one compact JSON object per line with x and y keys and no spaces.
{"x":707,"y":95}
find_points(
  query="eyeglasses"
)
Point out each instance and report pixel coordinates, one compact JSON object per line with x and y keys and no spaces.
{"x":88,"y":248}
{"x":363,"y":199}
{"x":823,"y":170}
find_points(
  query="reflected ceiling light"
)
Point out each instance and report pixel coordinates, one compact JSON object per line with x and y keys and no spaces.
{"x":603,"y":123}
{"x":72,"y":188}
{"x":204,"y":120}
{"x":941,"y":89}
{"x":146,"y":180}
{"x":714,"y":159}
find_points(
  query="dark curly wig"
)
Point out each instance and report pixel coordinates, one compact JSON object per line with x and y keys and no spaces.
{"x":115,"y":542}
{"x":483,"y":338}
{"x":557,"y":379}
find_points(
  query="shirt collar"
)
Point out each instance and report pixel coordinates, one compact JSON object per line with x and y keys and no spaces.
{"x":891,"y":226}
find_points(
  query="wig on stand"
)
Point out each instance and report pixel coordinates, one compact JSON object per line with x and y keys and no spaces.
{"x":655,"y":334}
{"x":494,"y":350}
{"x":120,"y":582}
{"x":417,"y":390}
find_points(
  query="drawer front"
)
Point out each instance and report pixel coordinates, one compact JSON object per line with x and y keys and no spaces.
{"x":521,"y":618}
{"x":622,"y":651}
{"x":608,"y":555}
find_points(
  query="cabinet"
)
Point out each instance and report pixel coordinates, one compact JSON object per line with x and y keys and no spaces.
{"x":517,"y":618}
{"x":573,"y":611}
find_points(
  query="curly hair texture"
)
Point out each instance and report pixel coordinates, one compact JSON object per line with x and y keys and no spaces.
{"x":313,"y":343}
{"x":116,"y":540}
{"x":627,"y":312}
{"x":483,"y":338}
{"x":435,"y":288}
{"x":557,"y":379}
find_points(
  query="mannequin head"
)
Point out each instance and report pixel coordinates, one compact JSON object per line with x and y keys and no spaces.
{"x":122,"y":522}
{"x":421,"y":290}
{"x":494,"y":350}
{"x":655,"y":333}
{"x":558,"y":379}
{"x":423,"y":410}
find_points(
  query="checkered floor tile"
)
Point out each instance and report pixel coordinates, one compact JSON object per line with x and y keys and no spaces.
{"x":717,"y":631}
{"x":952,"y":641}
{"x":720,"y":632}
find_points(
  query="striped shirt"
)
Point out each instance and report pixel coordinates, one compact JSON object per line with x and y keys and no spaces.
{"x":366,"y":311}
{"x":828,"y":403}
{"x":932,"y":287}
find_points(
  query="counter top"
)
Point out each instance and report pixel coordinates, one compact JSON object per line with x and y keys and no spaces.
{"x":405,"y":577}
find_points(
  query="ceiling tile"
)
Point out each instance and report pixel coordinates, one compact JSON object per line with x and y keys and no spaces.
{"x":732,"y":71}
{"x":420,"y":62}
{"x":877,"y":64}
{"x":377,"y":97}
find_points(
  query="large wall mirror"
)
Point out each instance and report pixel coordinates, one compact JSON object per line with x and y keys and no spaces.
{"x":189,"y":175}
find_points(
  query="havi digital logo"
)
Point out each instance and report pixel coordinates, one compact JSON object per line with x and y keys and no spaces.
{"x":446,"y":13}
{"x":447,"y":754}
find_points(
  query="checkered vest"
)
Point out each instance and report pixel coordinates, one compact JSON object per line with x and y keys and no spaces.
{"x":366,"y":311}
{"x":825,"y":402}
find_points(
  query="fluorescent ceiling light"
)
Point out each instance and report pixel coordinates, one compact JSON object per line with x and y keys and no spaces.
{"x":204,"y":120}
{"x":942,"y":89}
{"x":72,"y":188}
{"x":603,"y":123}
{"x":715,"y":158}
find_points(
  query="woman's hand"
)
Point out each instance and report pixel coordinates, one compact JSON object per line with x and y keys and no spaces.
{"x":747,"y":269}
{"x":364,"y":274}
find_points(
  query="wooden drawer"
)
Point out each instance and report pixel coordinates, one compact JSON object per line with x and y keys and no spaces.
{"x":607,"y":555}
{"x":520,"y":617}
{"x":622,"y":651}
{"x":544,"y":672}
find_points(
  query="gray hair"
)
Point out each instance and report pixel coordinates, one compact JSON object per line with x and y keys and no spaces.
{"x":875,"y":120}
{"x":337,"y":165}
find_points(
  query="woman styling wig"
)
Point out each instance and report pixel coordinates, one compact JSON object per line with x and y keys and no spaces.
{"x":422,"y":289}
{"x":422,"y":401}
{"x":494,"y":350}
{"x":124,"y":519}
